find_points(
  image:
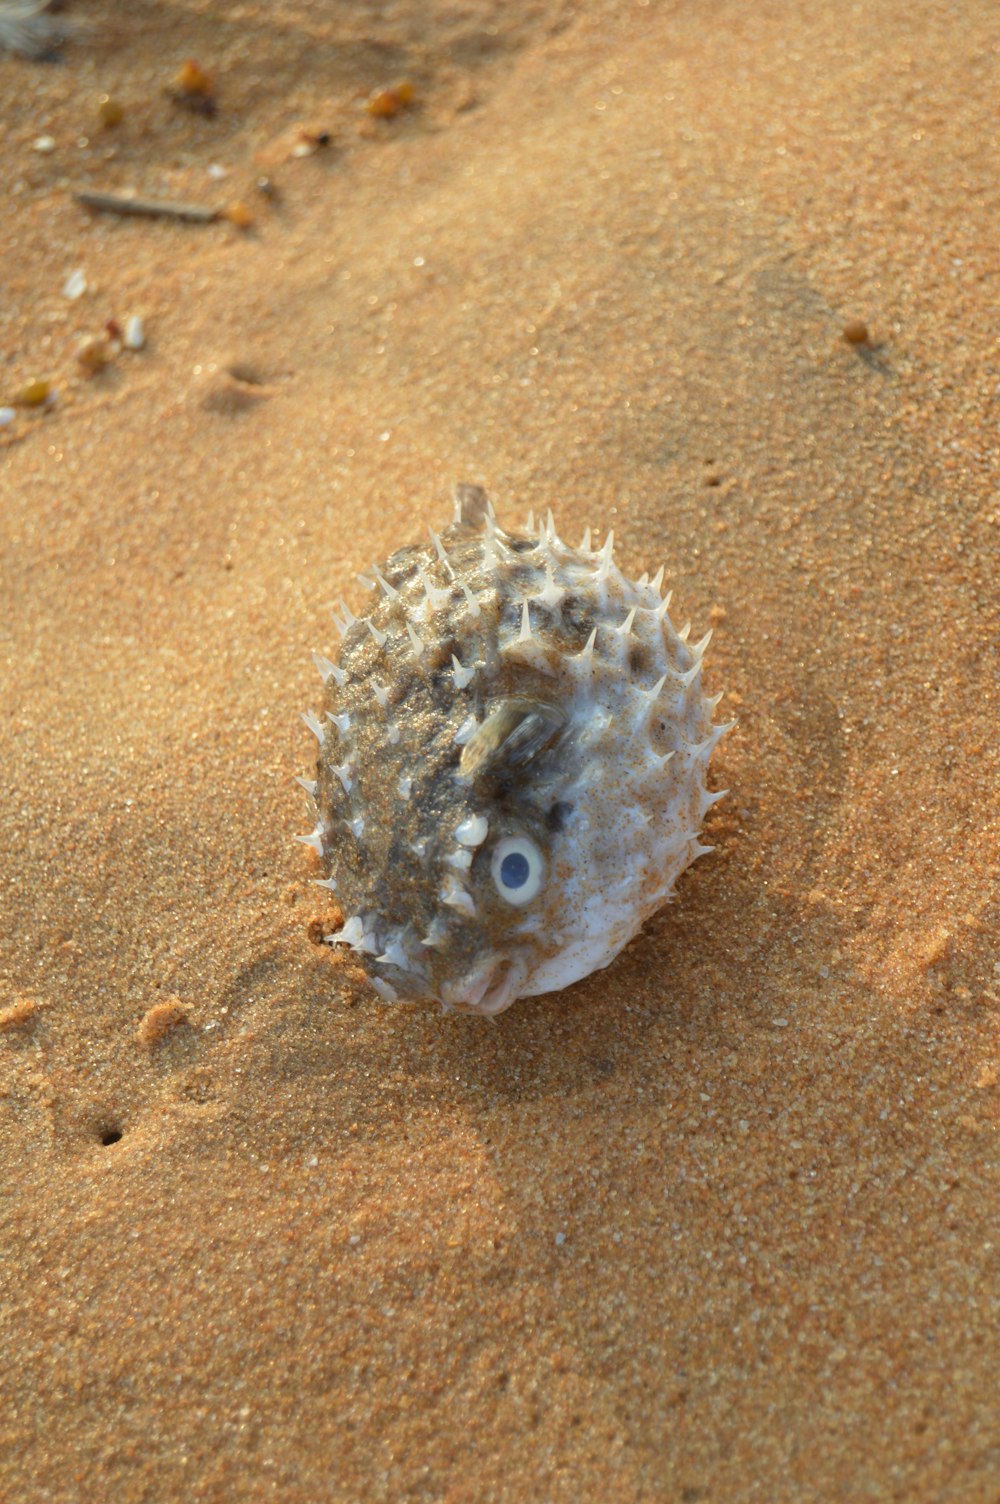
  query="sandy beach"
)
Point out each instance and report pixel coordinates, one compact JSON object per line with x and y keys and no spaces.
{"x":720,"y":1223}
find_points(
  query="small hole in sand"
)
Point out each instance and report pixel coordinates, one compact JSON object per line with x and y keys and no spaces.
{"x":109,"y":1136}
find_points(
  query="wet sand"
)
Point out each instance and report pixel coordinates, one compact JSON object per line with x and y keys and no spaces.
{"x":717,"y":1224}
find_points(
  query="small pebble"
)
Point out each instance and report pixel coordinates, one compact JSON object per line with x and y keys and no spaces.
{"x":75,"y":285}
{"x":109,"y":112}
{"x":217,"y":172}
{"x":135,"y":333}
{"x":161,"y":1019}
{"x":7,"y":416}
{"x":95,"y":353}
{"x":856,"y":332}
{"x":194,"y":90}
{"x":383,"y":104}
{"x":310,"y":141}
{"x":33,"y":393}
{"x":46,"y":145}
{"x":192,"y":79}
{"x":238,"y":214}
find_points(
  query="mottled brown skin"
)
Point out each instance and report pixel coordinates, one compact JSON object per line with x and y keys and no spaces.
{"x":380,"y":871}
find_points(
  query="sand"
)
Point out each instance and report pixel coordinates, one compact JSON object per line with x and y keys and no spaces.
{"x":717,"y":1224}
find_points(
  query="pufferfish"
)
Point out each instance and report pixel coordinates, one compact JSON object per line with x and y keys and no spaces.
{"x":512,"y":763}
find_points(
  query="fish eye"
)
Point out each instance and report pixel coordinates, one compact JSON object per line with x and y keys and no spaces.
{"x":517,"y":869}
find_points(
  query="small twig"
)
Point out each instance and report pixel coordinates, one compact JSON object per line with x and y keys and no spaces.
{"x":148,"y":208}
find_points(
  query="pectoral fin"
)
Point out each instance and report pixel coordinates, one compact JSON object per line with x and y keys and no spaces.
{"x":515,"y":731}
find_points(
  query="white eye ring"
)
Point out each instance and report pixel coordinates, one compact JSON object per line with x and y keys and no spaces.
{"x":517,"y":869}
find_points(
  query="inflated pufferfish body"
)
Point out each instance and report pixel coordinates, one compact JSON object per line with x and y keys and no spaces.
{"x":512,"y":763}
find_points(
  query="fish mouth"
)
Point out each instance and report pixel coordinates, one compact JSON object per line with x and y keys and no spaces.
{"x":489,"y":989}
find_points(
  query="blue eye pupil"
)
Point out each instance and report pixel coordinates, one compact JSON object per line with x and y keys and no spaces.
{"x":515,"y":870}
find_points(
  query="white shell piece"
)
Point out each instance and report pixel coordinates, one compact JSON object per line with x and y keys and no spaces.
{"x":135,"y":333}
{"x":75,"y":285}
